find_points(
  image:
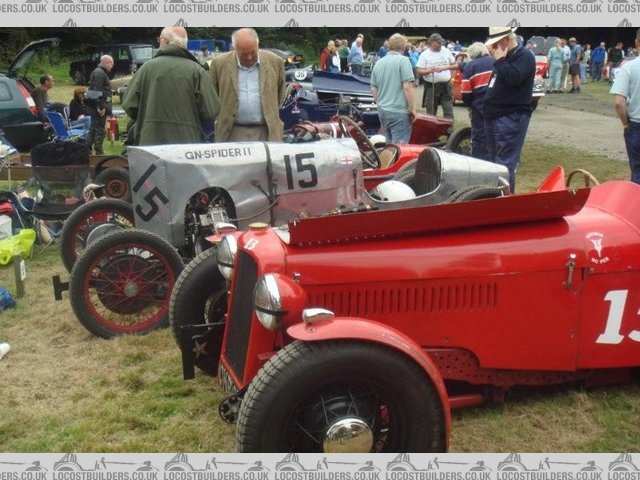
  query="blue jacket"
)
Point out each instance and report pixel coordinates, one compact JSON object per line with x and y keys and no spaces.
{"x":598,"y":54}
{"x":475,"y":79}
{"x":511,"y":85}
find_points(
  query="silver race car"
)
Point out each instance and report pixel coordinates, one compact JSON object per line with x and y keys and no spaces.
{"x":122,"y":282}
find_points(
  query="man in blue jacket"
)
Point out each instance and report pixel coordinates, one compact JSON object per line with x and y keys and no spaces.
{"x":507,"y":106}
{"x":475,"y":80}
{"x":598,"y":57}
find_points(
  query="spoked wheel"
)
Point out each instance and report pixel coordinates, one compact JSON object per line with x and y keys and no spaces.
{"x":340,"y":396}
{"x":351,"y":129}
{"x":199,"y":298}
{"x":587,"y":177}
{"x":122,"y":283}
{"x":90,"y":221}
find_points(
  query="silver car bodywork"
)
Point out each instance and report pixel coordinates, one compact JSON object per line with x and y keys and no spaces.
{"x":278,"y":182}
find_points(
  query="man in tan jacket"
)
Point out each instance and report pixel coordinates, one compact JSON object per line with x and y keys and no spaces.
{"x":251,"y":87}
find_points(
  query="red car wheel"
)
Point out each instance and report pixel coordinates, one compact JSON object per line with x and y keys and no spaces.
{"x":308,"y":392}
{"x":103,"y":214}
{"x":123,"y":282}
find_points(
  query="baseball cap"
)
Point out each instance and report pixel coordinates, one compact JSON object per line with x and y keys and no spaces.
{"x":436,"y":37}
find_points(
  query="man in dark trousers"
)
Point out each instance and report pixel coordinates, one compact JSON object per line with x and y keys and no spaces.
{"x":100,"y":105}
{"x":171,"y":97}
{"x":435,"y":64}
{"x":507,"y":107}
{"x":251,"y":87}
{"x":475,"y":79}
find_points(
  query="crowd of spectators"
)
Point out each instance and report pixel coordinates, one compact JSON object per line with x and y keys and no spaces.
{"x":497,"y":83}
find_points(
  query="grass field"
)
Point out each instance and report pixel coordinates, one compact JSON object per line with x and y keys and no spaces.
{"x":65,"y":390}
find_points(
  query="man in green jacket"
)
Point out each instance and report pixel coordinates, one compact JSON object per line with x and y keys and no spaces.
{"x":170,"y":97}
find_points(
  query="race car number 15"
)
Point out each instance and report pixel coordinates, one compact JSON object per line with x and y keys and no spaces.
{"x":304,"y":168}
{"x":611,"y":334}
{"x":151,"y":197}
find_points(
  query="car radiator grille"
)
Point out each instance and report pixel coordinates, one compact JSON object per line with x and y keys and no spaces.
{"x":371,"y":302}
{"x":239,"y":324}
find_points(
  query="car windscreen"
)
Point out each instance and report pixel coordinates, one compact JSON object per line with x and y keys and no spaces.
{"x":142,"y":54}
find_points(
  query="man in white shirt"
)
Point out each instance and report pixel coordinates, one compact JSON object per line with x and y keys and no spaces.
{"x":435,"y":64}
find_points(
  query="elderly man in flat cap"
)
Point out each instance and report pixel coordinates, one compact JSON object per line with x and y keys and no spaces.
{"x":435,"y":64}
{"x":507,"y":106}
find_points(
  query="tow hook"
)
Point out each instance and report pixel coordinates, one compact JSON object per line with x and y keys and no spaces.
{"x":230,"y":406}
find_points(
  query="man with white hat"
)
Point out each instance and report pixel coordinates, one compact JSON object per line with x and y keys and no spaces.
{"x":507,"y":107}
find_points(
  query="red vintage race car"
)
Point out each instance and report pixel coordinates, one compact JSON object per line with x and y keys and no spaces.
{"x":365,"y":330}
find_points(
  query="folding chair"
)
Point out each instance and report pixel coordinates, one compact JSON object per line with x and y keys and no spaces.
{"x":60,"y":171}
{"x":8,"y":156}
{"x":62,"y":131}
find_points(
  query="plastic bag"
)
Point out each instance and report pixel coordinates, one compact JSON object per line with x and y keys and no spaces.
{"x":20,"y":244}
{"x":6,"y":299}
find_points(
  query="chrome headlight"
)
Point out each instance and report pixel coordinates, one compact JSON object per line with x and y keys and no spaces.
{"x":227,"y":250}
{"x":268,"y":302}
{"x":278,"y":301}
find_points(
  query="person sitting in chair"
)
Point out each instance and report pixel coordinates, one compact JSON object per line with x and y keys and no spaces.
{"x":78,"y":113}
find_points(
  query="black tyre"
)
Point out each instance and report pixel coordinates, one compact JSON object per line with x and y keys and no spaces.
{"x":116,"y":183}
{"x":92,"y":219}
{"x":122,"y":283}
{"x":460,"y":141}
{"x":306,"y":388}
{"x":199,"y":297}
{"x":79,"y":78}
{"x":475,"y":192}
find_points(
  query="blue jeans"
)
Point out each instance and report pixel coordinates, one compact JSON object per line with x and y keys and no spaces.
{"x":632,"y":142}
{"x":505,"y":138}
{"x":596,"y":71}
{"x":396,"y":126}
{"x":583,"y":73}
{"x":84,"y":123}
{"x":356,"y":68}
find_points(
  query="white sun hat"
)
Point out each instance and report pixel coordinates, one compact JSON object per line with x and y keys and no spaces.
{"x":498,"y":33}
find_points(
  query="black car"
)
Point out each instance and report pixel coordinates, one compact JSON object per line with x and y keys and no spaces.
{"x":18,"y":119}
{"x":127,"y":57}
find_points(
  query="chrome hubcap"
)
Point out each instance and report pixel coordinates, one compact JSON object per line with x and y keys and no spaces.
{"x":348,"y":435}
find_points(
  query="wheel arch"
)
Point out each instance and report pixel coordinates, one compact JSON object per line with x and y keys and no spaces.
{"x":341,"y":328}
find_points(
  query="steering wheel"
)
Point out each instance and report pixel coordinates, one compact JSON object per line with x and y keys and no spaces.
{"x":351,"y":129}
{"x":587,"y":177}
